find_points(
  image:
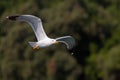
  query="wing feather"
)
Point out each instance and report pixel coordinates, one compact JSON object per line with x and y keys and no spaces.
{"x":36,"y":25}
{"x":68,"y":40}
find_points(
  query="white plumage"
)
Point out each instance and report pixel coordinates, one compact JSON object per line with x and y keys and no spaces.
{"x":42,"y":39}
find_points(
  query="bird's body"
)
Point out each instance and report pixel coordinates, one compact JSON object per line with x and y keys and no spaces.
{"x":42,"y":39}
{"x":43,"y":43}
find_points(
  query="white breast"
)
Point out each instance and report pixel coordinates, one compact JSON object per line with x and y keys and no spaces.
{"x":45,"y":43}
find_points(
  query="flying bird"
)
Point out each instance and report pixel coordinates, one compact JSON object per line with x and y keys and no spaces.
{"x":42,"y":39}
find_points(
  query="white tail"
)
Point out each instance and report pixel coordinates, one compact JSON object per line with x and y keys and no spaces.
{"x":32,"y":43}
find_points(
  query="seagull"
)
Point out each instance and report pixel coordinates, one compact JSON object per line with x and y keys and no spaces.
{"x":42,"y":39}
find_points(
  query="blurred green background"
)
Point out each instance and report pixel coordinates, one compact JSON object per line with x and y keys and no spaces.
{"x":95,"y":25}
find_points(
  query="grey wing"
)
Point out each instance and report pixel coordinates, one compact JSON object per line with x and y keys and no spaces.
{"x":68,"y":40}
{"x":36,"y":25}
{"x":38,"y":30}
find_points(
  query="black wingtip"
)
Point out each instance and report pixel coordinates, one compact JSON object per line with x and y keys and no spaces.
{"x":71,"y":51}
{"x":11,"y":17}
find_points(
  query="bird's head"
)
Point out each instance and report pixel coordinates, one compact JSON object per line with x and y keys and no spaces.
{"x":54,"y":41}
{"x":12,"y":17}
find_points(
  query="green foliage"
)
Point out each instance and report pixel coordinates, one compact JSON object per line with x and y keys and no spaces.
{"x":94,"y":24}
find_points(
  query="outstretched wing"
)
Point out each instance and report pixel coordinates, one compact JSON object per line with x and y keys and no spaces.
{"x":36,"y":25}
{"x":68,"y":40}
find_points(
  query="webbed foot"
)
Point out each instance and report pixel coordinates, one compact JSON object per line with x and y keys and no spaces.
{"x":36,"y":47}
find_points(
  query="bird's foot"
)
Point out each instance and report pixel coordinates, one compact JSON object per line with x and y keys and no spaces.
{"x":36,"y":47}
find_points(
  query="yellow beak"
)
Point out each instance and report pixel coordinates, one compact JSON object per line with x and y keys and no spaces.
{"x":56,"y":42}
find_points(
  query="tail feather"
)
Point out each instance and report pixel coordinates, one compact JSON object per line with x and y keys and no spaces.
{"x":32,"y":43}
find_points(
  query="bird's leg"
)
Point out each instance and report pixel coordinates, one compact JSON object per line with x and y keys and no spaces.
{"x":36,"y":47}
